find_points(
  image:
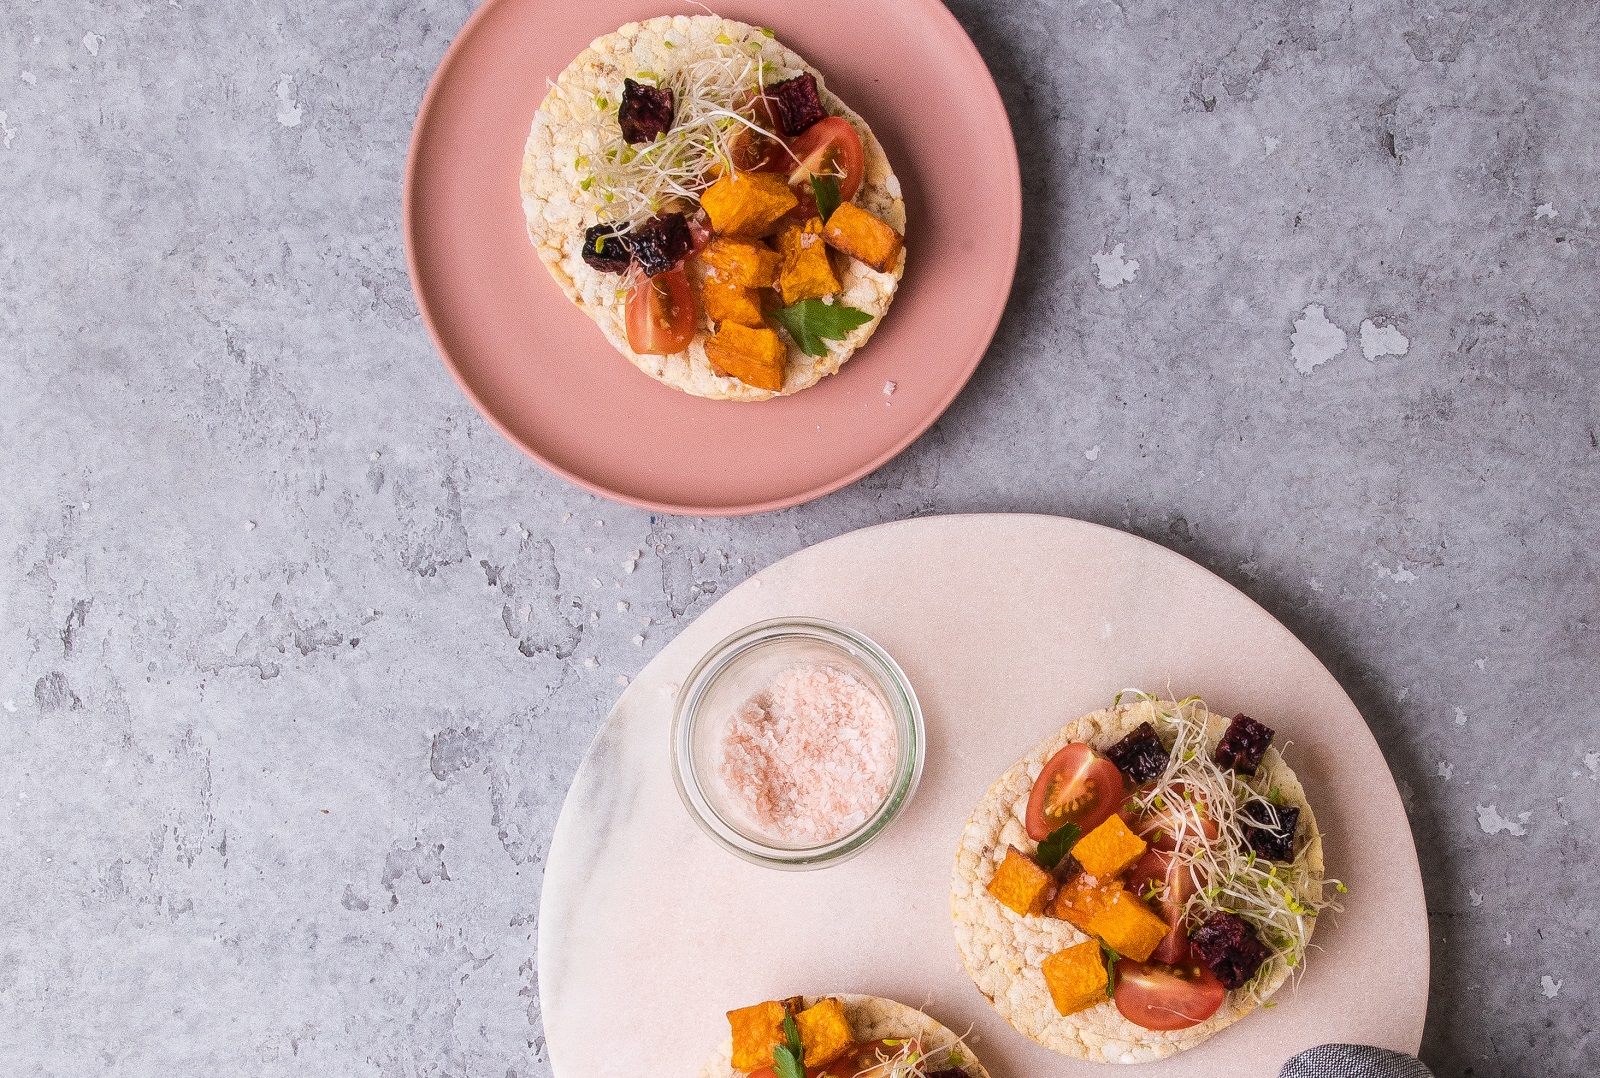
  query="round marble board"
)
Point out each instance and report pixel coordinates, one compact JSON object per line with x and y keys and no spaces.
{"x":1007,"y":626}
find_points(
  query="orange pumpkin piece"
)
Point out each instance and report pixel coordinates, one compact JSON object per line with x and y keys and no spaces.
{"x":756,"y":357}
{"x":747,"y":203}
{"x":1076,"y":977}
{"x":1109,"y":849}
{"x":859,"y":234}
{"x":758,"y":1029}
{"x":728,"y":301}
{"x":806,"y":272}
{"x":1021,"y":884}
{"x":824,"y":1032}
{"x":1081,"y":897}
{"x":746,"y":262}
{"x":1129,"y":927}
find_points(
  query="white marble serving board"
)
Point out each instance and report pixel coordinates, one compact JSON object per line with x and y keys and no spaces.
{"x":1007,"y":626}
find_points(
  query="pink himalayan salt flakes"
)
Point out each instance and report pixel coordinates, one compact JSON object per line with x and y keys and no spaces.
{"x":811,"y":756}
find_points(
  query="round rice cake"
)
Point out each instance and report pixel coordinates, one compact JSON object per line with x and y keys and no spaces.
{"x":1003,"y":951}
{"x":872,"y":1018}
{"x":570,"y":124}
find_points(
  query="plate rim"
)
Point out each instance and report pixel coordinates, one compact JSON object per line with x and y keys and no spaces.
{"x":1011,"y":180}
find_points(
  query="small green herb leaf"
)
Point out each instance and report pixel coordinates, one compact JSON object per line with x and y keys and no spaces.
{"x":1112,"y":958}
{"x":825,"y":189}
{"x":811,"y":321}
{"x":786,"y":1058}
{"x":1057,"y":843}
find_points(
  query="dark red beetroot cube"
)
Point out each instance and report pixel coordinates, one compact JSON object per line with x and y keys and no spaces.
{"x":645,"y":112}
{"x":1140,"y":755}
{"x":1229,"y":947}
{"x":1275,"y":841}
{"x":797,"y":104}
{"x":661,"y":242}
{"x":1243,"y":745}
{"x":606,"y":249}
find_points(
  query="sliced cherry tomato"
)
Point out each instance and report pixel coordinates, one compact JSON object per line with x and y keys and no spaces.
{"x":1169,"y":884}
{"x":699,"y":234}
{"x":662,"y":318}
{"x":752,"y":151}
{"x":1162,"y":997}
{"x":828,"y":147}
{"x":859,"y":1061}
{"x":1160,"y":827}
{"x":1077,"y":785}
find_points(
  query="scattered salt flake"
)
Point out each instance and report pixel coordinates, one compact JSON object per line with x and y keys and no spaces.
{"x":630,"y":565}
{"x":1314,"y":584}
{"x":92,"y":41}
{"x":1113,"y":270}
{"x":289,"y":112}
{"x":1461,"y":717}
{"x":1092,"y":453}
{"x":1479,"y":662}
{"x":29,"y":77}
{"x":638,"y":640}
{"x":622,"y":606}
{"x":1379,"y":340}
{"x":1315,"y":340}
{"x":1400,"y":697}
{"x":622,"y":679}
{"x":1591,"y":760}
{"x":1268,"y":143}
{"x":889,"y":388}
{"x":591,"y":662}
{"x":1251,"y":569}
{"x":1446,"y":770}
{"x":1544,"y":209}
{"x":11,"y":705}
{"x":1493,"y":823}
{"x":565,"y":517}
{"x":594,"y":617}
{"x":595,"y":581}
{"x":249,"y":525}
{"x":1477,"y":899}
{"x":599,"y":523}
{"x":1549,"y":987}
{"x":811,"y":756}
{"x":1399,"y":574}
{"x":1106,"y":631}
{"x":588,"y":550}
{"x":1508,"y":939}
{"x":7,"y":132}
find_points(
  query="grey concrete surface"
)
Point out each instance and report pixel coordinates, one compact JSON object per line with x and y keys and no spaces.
{"x":297,"y":656}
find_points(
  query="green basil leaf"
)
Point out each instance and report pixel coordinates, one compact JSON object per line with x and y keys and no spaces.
{"x":825,"y":189}
{"x":1112,"y":958}
{"x":1057,"y":843}
{"x":812,"y":321}
{"x":787,"y":1058}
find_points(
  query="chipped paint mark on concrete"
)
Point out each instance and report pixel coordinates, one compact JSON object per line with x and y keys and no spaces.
{"x":1446,"y":770}
{"x":92,"y":41}
{"x":29,"y":77}
{"x":1113,"y":270}
{"x":1268,"y":144}
{"x":1379,"y":341}
{"x":1549,"y":987}
{"x":1475,"y":897}
{"x":7,"y":132}
{"x":1399,"y":574}
{"x":1315,"y":340}
{"x":1544,"y":209}
{"x":1492,"y":823}
{"x":1478,"y":662}
{"x":1591,"y":760}
{"x":1092,"y":453}
{"x":289,"y":112}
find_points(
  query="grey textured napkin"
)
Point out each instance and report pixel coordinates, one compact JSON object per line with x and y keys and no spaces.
{"x":1353,"y":1061}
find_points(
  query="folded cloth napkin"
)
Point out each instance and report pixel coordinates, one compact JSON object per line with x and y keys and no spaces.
{"x":1353,"y":1061}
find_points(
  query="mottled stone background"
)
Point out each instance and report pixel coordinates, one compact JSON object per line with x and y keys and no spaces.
{"x":297,"y":656}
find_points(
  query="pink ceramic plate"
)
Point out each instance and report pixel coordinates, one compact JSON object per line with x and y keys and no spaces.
{"x":540,"y":370}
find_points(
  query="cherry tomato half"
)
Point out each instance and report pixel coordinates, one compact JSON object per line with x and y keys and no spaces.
{"x":828,"y":147}
{"x":1163,"y":997}
{"x":1169,"y":885}
{"x":662,"y":318}
{"x":1077,"y":785}
{"x":752,"y":151}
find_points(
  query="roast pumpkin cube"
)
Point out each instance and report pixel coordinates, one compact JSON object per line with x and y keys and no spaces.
{"x":1128,"y":926}
{"x":853,"y":231}
{"x":1020,"y":883}
{"x":759,"y":1029}
{"x":1109,"y":849}
{"x":747,"y":262}
{"x":747,"y":203}
{"x":756,"y":357}
{"x":806,"y":272}
{"x":1076,"y":977}
{"x":824,"y":1032}
{"x":1081,"y":897}
{"x":728,"y":301}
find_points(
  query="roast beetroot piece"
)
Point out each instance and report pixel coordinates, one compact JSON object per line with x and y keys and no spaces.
{"x":949,"y":1072}
{"x":606,"y":249}
{"x":1274,"y":842}
{"x":1243,"y":745}
{"x":661,"y":242}
{"x":1140,"y":756}
{"x":1229,"y":947}
{"x":645,"y":112}
{"x":797,"y":104}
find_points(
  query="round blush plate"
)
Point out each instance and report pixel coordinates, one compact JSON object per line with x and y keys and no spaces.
{"x":542,"y":373}
{"x":1007,"y":626}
